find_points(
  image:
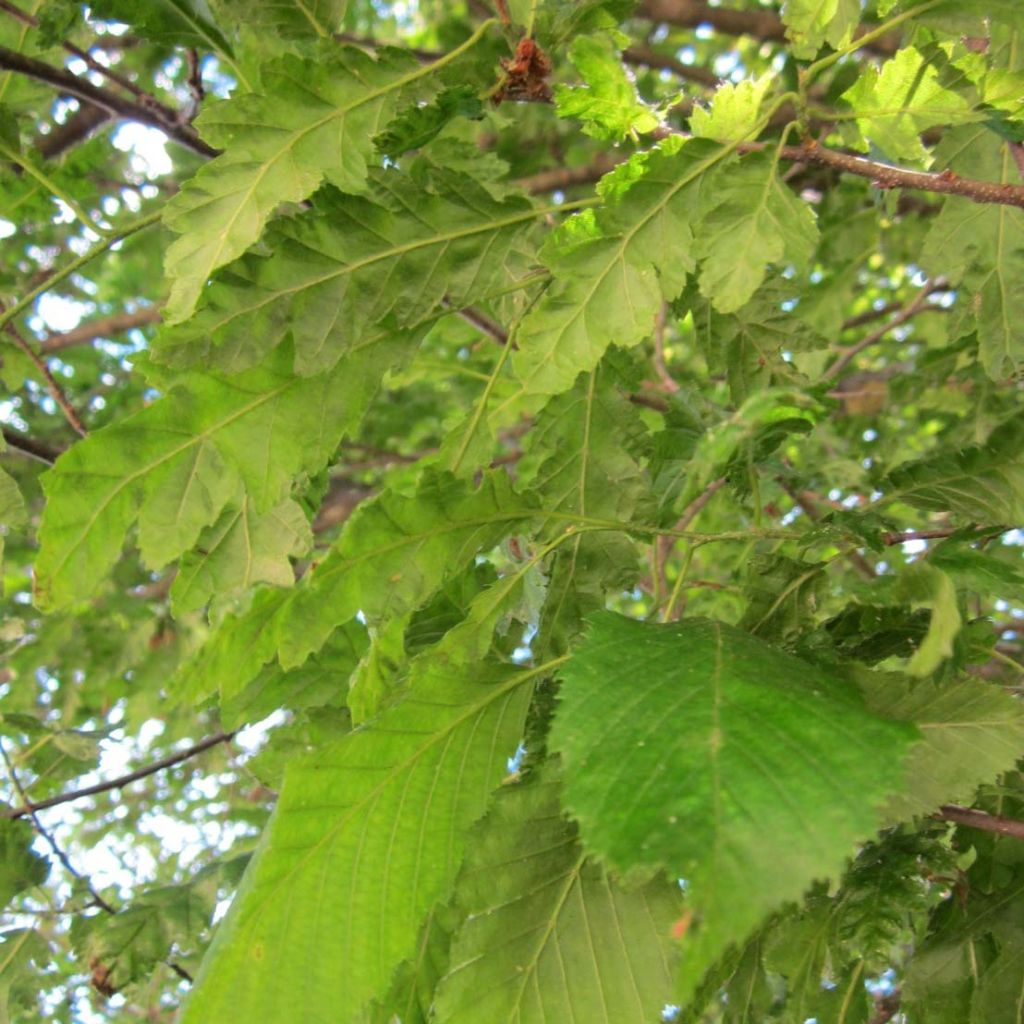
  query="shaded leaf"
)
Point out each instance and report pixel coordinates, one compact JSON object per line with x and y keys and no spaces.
{"x":712,"y":794}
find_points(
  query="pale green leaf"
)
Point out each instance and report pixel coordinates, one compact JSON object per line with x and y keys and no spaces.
{"x":755,"y":220}
{"x":812,"y":23}
{"x":921,"y":584}
{"x":367,"y":835}
{"x":353,"y":267}
{"x":244,"y":547}
{"x":750,"y":773}
{"x":895,"y":105}
{"x":395,"y":553}
{"x":980,"y":246}
{"x":315,"y":121}
{"x":267,"y":425}
{"x":608,"y":105}
{"x":970,"y":732}
{"x":291,"y":19}
{"x":549,"y":936}
{"x":12,"y":505}
{"x":734,"y":110}
{"x":613,"y":269}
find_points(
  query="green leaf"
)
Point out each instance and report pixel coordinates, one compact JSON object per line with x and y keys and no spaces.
{"x":416,"y":126}
{"x":20,"y":866}
{"x":608,"y":105}
{"x":12,"y":505}
{"x":980,"y":246}
{"x":812,"y":23}
{"x":244,"y":547}
{"x":754,"y":220}
{"x":613,"y":269}
{"x":734,"y":111}
{"x":970,"y":732}
{"x":19,"y":984}
{"x":130,"y":943}
{"x":172,"y":22}
{"x":367,"y":835}
{"x":303,"y":19}
{"x":904,"y":99}
{"x":395,"y":553}
{"x":547,"y":934}
{"x":315,"y":121}
{"x":747,"y":344}
{"x":921,"y":584}
{"x":983,"y":484}
{"x":352,"y":269}
{"x":582,"y":460}
{"x":748,"y":813}
{"x":266,"y":425}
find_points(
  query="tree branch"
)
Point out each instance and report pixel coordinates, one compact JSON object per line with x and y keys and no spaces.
{"x":58,"y":852}
{"x":149,"y":112}
{"x":886,"y":176}
{"x":29,"y":808}
{"x":77,"y":128}
{"x":762,"y":24}
{"x":980,"y":820}
{"x":102,"y":328}
{"x":560,"y":178}
{"x":56,"y":391}
{"x":27,"y":446}
{"x":911,"y":309}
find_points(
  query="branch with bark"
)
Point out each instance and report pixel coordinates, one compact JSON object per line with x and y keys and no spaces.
{"x":31,"y":807}
{"x":148,"y":112}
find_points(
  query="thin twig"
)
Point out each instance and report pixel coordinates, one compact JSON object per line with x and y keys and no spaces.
{"x":915,"y":306}
{"x":195,"y":82}
{"x":46,"y":835}
{"x":56,"y":391}
{"x":122,"y":780}
{"x":660,"y":322}
{"x":484,"y":324}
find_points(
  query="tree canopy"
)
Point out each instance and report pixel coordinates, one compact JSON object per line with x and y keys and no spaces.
{"x":512,"y":511}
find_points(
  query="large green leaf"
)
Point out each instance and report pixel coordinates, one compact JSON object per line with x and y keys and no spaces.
{"x":608,"y":104}
{"x":166,"y":465}
{"x":349,"y":264}
{"x":242,"y":548}
{"x":367,"y":835}
{"x":582,"y":460}
{"x":314,"y":121}
{"x":971,"y":731}
{"x":297,"y":19}
{"x":812,"y":23}
{"x":173,"y":22}
{"x":694,"y":748}
{"x":896,"y":104}
{"x":983,"y":484}
{"x":981,"y":247}
{"x":547,"y":934}
{"x":754,"y":220}
{"x":396,"y":552}
{"x":614,"y":268}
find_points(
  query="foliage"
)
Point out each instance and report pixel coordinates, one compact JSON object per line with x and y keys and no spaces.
{"x":512,"y":512}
